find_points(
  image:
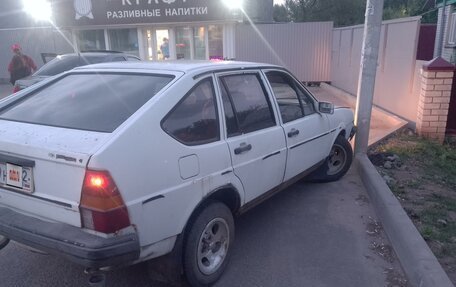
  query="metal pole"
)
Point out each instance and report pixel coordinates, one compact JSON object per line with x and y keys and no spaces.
{"x":366,"y":86}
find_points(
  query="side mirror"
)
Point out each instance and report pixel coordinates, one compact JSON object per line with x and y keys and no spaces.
{"x":325,"y":108}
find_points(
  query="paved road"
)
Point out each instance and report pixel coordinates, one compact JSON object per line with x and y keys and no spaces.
{"x":308,"y":235}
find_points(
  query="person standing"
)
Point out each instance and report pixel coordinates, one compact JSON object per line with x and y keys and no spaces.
{"x":21,"y":65}
{"x":165,"y":48}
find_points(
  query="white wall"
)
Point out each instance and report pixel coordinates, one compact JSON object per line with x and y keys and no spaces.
{"x":396,"y":74}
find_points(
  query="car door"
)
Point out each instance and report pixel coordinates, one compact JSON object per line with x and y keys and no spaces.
{"x":307,"y":131}
{"x":256,"y":141}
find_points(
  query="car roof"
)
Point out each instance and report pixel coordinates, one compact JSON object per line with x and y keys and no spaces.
{"x":179,"y":66}
{"x":95,"y":54}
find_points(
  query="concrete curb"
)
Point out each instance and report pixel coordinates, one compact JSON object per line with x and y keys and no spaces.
{"x":419,"y":263}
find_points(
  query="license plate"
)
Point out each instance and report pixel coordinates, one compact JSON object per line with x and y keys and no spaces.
{"x":16,"y":176}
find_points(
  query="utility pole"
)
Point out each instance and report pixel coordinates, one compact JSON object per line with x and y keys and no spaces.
{"x":366,"y":86}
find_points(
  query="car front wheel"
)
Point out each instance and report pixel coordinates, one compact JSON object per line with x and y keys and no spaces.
{"x":337,"y":163}
{"x":207,"y":245}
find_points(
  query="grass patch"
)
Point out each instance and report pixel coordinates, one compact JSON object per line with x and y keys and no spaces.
{"x":425,"y":185}
{"x":434,"y":230}
{"x":438,"y":160}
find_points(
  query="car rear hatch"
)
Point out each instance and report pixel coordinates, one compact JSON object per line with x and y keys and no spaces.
{"x":48,"y":134}
{"x":42,"y":169}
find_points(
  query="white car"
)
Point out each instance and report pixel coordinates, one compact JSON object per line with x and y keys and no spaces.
{"x":115,"y":164}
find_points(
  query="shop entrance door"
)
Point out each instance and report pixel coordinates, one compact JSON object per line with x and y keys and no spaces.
{"x":162,"y":40}
{"x":157,"y":44}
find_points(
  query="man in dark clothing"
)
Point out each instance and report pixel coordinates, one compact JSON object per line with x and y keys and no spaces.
{"x":21,"y":65}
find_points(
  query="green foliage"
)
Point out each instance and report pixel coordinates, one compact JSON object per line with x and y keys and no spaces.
{"x":406,"y":8}
{"x":341,"y":12}
{"x":438,"y":160}
{"x":350,"y":12}
{"x":281,"y":14}
{"x":431,"y":229}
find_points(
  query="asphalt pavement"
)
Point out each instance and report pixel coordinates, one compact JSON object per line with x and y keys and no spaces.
{"x":308,"y":235}
{"x":5,"y":90}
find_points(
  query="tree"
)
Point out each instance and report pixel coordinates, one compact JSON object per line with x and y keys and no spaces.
{"x":281,"y":14}
{"x":341,"y":12}
{"x":350,"y":12}
{"x":407,"y":8}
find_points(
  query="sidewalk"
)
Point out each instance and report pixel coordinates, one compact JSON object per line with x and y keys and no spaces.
{"x":5,"y":90}
{"x":382,"y":122}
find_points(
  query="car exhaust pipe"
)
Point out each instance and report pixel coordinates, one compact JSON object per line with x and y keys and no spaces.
{"x":96,"y":278}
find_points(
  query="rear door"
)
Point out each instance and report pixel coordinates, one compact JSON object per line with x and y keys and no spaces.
{"x":307,"y":132}
{"x":256,"y":141}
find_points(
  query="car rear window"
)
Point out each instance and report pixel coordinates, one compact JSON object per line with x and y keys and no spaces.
{"x":59,"y":65}
{"x":95,"y":102}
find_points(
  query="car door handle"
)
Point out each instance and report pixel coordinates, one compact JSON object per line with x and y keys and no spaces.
{"x":293,"y":133}
{"x":243,"y":148}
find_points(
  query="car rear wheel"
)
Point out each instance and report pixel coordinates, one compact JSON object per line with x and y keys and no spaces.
{"x":208,"y":245}
{"x":337,"y":163}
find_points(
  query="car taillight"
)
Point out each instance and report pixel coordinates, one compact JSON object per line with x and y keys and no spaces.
{"x":16,"y":89}
{"x":102,"y":207}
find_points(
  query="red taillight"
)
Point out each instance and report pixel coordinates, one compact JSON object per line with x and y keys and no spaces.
{"x":16,"y":89}
{"x":102,"y":207}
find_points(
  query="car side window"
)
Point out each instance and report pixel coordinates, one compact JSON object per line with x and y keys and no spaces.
{"x":133,"y":59}
{"x":118,"y":59}
{"x":306,"y":100}
{"x":194,"y":121}
{"x":232,"y":125}
{"x":249,"y":102}
{"x":293,"y":100}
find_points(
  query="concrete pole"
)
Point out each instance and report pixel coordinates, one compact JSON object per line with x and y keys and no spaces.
{"x":366,"y":86}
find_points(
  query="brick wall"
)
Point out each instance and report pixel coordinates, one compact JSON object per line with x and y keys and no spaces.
{"x":434,"y":103}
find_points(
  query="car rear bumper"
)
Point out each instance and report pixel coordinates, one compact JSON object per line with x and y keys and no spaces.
{"x":71,"y":242}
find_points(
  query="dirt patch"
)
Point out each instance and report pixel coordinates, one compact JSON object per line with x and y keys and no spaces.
{"x":422,"y":175}
{"x":395,"y":279}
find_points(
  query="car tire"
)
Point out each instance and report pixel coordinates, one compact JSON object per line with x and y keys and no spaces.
{"x":336,"y":164}
{"x":3,"y":241}
{"x":207,"y":245}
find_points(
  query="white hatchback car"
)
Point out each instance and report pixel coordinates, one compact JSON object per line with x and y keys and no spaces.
{"x":114,"y":164}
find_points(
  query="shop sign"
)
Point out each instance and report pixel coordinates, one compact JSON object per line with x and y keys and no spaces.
{"x":68,"y":13}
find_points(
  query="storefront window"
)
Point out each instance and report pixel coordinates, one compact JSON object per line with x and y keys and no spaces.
{"x":89,"y":40}
{"x":215,"y":42}
{"x":199,"y":43}
{"x":124,"y":40}
{"x":183,"y":42}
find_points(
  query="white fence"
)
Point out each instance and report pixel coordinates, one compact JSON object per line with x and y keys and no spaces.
{"x":397,"y":89}
{"x":303,"y":48}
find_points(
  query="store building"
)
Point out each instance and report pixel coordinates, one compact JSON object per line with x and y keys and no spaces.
{"x":157,"y":29}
